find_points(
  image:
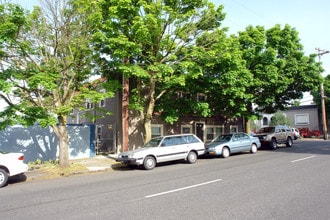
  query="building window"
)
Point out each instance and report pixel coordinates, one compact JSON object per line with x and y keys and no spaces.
{"x":102,"y":103}
{"x":201,"y":97}
{"x":213,"y":131}
{"x":233,"y":128}
{"x":156,"y":130}
{"x":89,"y":104}
{"x":302,"y":119}
{"x":265,"y":121}
{"x":186,"y":129}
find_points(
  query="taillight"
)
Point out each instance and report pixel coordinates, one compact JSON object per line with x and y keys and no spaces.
{"x":21,"y":158}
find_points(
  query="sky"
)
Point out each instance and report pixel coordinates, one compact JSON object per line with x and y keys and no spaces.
{"x":309,"y":18}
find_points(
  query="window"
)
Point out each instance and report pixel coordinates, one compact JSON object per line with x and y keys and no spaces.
{"x":201,"y":97}
{"x":265,"y":121}
{"x":302,"y":119}
{"x":102,"y":102}
{"x":156,"y":130}
{"x":186,"y":129}
{"x":89,"y":104}
{"x":213,"y":131}
{"x":233,"y":128}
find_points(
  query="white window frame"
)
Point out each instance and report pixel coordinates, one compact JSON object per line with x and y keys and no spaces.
{"x":186,"y":126}
{"x":299,"y":119}
{"x":157,"y":126}
{"x":214,"y":133}
{"x":233,"y":127}
{"x":89,"y":104}
{"x":201,"y":95}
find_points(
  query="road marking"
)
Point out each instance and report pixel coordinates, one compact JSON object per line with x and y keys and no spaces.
{"x":183,"y":188}
{"x":305,"y":158}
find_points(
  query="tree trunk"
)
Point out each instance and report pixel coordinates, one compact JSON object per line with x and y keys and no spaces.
{"x":63,"y":140}
{"x":149,"y":110}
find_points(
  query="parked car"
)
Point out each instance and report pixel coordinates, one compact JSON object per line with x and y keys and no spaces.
{"x":296,"y":133}
{"x":271,"y":136}
{"x":11,"y":164}
{"x":227,"y":144}
{"x":163,"y":149}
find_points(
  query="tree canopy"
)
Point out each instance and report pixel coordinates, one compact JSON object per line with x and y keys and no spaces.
{"x":46,"y":62}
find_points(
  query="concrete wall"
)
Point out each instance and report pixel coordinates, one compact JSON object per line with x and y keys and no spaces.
{"x":41,"y":143}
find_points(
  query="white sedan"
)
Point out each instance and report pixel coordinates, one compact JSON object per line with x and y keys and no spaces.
{"x":11,"y":164}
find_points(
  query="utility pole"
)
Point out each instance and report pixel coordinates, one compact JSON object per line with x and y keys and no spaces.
{"x":324,"y":117}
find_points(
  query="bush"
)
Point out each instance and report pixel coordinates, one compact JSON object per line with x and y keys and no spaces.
{"x":304,"y":132}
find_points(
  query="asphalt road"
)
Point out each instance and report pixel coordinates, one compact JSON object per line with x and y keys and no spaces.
{"x":289,"y":183}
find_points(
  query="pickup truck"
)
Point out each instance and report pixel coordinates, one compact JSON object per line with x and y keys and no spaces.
{"x":271,"y":136}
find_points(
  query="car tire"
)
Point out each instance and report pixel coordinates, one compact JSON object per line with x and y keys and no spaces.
{"x":273,"y":144}
{"x":289,"y":142}
{"x":253,"y":149}
{"x":3,"y":177}
{"x":192,"y":157}
{"x":149,"y":163}
{"x":225,"y":152}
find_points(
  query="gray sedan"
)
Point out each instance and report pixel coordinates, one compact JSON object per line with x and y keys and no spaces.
{"x":227,"y":144}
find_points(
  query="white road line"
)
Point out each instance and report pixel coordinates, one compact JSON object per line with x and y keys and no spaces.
{"x":305,"y":158}
{"x":184,"y":188}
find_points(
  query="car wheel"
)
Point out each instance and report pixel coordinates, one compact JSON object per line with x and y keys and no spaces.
{"x":273,"y":144}
{"x":192,"y":157}
{"x":225,"y":152}
{"x":289,"y":142}
{"x":253,"y":149}
{"x":149,"y":163}
{"x":3,"y":177}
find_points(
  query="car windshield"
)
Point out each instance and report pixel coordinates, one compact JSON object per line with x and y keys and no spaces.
{"x":267,"y":130}
{"x":153,"y":142}
{"x":223,"y":138}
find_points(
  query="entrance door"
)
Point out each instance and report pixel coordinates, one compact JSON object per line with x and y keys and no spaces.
{"x":200,"y":131}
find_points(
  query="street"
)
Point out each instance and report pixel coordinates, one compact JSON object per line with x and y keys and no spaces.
{"x":289,"y":183}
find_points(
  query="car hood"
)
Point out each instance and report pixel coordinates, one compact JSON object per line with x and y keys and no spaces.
{"x":138,"y":150}
{"x":216,"y":144}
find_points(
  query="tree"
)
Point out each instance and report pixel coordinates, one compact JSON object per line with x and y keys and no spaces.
{"x":153,"y":44}
{"x":280,"y":119}
{"x":46,"y":58}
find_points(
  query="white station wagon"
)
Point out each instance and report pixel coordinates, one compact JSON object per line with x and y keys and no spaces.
{"x":162,"y":149}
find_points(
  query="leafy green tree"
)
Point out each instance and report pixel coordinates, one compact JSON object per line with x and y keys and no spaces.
{"x":280,"y":119}
{"x":280,"y":70}
{"x":153,"y":44}
{"x":46,"y":58}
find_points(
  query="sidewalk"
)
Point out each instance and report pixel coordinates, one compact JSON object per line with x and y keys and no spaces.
{"x":94,"y":164}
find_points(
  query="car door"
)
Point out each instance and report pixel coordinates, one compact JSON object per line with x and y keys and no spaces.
{"x":172,"y":148}
{"x":236,"y":143}
{"x":246,"y":142}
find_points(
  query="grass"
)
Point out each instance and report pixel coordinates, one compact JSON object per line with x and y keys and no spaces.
{"x":51,"y":169}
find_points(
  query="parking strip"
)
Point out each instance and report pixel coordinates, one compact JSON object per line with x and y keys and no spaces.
{"x":305,"y":158}
{"x":183,"y":188}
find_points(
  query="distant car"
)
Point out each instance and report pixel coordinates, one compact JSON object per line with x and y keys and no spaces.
{"x":227,"y":144}
{"x":11,"y":164}
{"x":163,"y":149}
{"x":296,"y":133}
{"x":271,"y":136}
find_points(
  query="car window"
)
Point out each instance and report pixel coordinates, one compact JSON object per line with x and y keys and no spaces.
{"x":170,"y":141}
{"x":237,"y":137}
{"x":245,"y":136}
{"x":222,"y":138}
{"x":153,"y":142}
{"x":190,"y":139}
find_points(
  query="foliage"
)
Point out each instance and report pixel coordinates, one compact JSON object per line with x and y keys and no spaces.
{"x":154,"y":45}
{"x":306,"y":133}
{"x":280,"y":119}
{"x":46,"y":63}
